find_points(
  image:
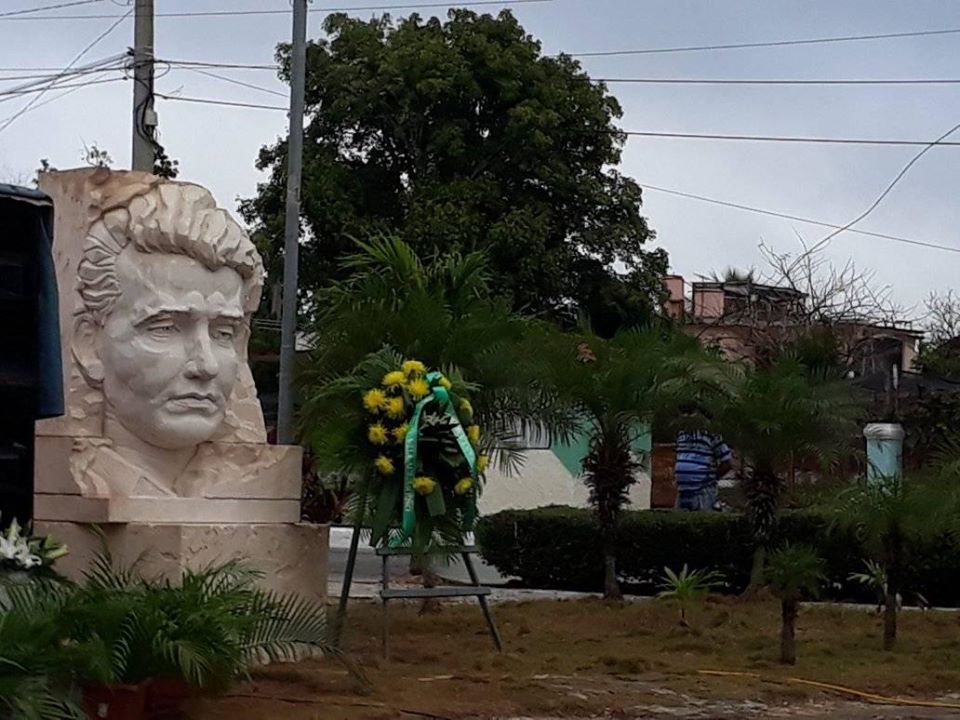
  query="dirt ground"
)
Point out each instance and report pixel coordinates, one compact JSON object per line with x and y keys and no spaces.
{"x":588,"y":659}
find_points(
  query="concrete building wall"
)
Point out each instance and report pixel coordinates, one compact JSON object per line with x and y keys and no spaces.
{"x":708,"y":304}
{"x":546,"y":480}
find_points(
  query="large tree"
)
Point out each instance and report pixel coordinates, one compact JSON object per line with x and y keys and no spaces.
{"x":460,"y":135}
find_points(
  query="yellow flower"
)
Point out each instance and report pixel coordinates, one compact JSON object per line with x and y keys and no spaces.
{"x":418,"y":388}
{"x":482,"y":463}
{"x":414,"y":367}
{"x":424,"y":485}
{"x":444,"y":383}
{"x":377,"y":434}
{"x":395,"y":408}
{"x":466,"y":407}
{"x":399,"y":433}
{"x":394,"y":379}
{"x":384,"y":465}
{"x":473,"y":432}
{"x":373,"y":400}
{"x":463,"y":487}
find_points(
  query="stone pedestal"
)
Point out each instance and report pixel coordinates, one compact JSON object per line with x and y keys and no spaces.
{"x":292,"y":557}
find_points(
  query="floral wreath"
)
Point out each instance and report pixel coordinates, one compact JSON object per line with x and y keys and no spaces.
{"x":420,"y":425}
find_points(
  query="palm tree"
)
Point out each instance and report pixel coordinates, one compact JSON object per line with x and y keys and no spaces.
{"x":793,"y":573}
{"x":687,"y":588}
{"x":618,"y":388}
{"x":36,"y":665}
{"x":444,"y":311}
{"x":731,"y":274}
{"x":779,"y":416}
{"x":890,"y":516}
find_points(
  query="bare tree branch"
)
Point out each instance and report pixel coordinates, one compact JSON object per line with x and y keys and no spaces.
{"x":942,"y":320}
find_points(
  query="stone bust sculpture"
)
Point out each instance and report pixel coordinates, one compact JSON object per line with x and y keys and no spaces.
{"x":167,"y":284}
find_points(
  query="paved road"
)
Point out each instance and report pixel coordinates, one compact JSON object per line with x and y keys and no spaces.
{"x":368,"y":568}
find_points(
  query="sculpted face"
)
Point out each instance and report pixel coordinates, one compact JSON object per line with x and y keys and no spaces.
{"x":169,"y":347}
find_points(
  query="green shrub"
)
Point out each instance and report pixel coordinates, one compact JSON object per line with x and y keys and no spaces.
{"x":559,"y":547}
{"x":117,"y":627}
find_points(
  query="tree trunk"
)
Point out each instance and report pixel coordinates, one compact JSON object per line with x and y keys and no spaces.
{"x":611,"y":588}
{"x":762,"y":490}
{"x":788,"y":631}
{"x":756,"y":570}
{"x":890,"y":619}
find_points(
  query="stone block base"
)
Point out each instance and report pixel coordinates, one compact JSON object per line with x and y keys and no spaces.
{"x":292,"y":557}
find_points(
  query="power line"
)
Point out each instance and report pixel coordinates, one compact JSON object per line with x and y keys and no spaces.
{"x":772,"y":43}
{"x":882,"y":195}
{"x":201,"y":64}
{"x":747,"y":208}
{"x":229,"y":103}
{"x":233,"y":13}
{"x":635,"y":133}
{"x":29,"y":11}
{"x":797,"y":218}
{"x":661,"y":81}
{"x":235,"y":82}
{"x":48,"y":75}
{"x":12,"y":94}
{"x":73,"y":89}
{"x":110,"y":64}
{"x":36,"y":98}
{"x":778,"y":81}
{"x":50,"y":81}
{"x":780,"y":138}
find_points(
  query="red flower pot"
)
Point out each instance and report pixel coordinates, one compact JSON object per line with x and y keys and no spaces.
{"x":115,"y":702}
{"x":165,"y":698}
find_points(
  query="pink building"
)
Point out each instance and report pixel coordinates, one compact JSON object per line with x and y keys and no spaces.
{"x":745,"y":319}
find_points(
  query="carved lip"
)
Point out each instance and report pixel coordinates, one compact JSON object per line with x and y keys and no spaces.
{"x":195,"y":401}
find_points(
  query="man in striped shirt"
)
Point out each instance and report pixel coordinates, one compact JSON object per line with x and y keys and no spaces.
{"x":702,"y":459}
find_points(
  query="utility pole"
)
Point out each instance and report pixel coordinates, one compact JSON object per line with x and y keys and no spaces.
{"x":291,"y":242}
{"x":144,"y":116}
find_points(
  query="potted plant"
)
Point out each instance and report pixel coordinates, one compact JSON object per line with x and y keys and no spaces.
{"x":162,"y":641}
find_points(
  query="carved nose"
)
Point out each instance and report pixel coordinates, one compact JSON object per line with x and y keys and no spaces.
{"x":202,"y":363}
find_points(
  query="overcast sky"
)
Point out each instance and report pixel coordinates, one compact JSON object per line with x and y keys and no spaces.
{"x":217,"y":146}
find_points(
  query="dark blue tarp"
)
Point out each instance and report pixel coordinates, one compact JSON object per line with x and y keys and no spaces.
{"x":50,"y":402}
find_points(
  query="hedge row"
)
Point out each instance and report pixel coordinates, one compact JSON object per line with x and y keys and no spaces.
{"x":558,"y":547}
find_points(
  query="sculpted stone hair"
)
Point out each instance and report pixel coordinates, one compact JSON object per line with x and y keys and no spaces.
{"x":169,"y":217}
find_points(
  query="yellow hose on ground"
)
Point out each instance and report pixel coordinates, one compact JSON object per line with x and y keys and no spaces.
{"x":872,"y":697}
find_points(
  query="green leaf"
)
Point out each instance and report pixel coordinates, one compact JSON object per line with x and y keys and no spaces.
{"x":385,"y":513}
{"x":435,"y":503}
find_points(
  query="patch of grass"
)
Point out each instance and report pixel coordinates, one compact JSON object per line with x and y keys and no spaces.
{"x":587,"y":657}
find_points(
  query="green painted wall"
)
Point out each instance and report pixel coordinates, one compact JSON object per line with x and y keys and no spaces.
{"x":571,"y":454}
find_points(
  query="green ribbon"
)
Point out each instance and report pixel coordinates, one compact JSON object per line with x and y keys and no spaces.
{"x":410,"y":443}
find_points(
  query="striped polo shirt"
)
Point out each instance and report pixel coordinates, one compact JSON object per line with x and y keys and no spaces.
{"x":699,"y":454}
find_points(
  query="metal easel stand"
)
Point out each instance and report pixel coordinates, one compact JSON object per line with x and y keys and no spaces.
{"x":475,"y":589}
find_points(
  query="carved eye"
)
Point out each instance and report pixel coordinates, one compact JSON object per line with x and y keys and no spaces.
{"x":224,"y":333}
{"x":162,"y":328}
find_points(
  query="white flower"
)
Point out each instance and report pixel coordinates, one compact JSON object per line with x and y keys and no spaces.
{"x":28,"y":560}
{"x":9,"y":549}
{"x":13,"y":531}
{"x":18,"y":550}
